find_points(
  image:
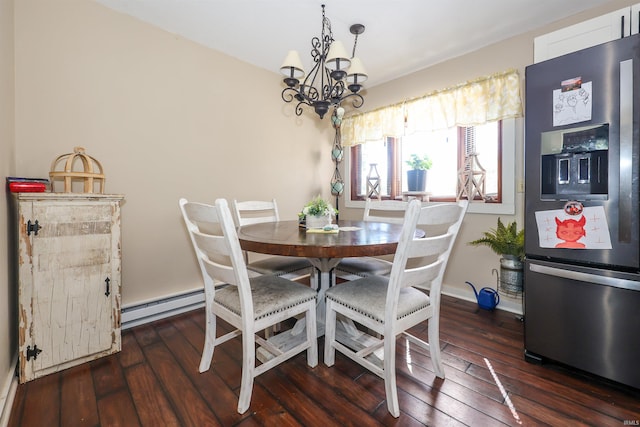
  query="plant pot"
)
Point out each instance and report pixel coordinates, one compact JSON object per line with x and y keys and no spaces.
{"x":317,"y":221}
{"x":511,"y":274}
{"x":417,"y":179}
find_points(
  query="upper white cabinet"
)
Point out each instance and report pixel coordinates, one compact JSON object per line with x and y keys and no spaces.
{"x":612,"y":26}
{"x":635,"y":19}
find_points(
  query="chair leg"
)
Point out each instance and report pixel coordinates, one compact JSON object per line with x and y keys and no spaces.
{"x":248,"y":367}
{"x":390,"y":375}
{"x":434,"y":346}
{"x":209,"y":339}
{"x":329,"y":334}
{"x":313,"y":278}
{"x":312,"y":335}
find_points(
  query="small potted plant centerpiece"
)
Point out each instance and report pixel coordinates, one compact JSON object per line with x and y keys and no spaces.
{"x":317,"y":213}
{"x":417,"y":175}
{"x":508,"y":242}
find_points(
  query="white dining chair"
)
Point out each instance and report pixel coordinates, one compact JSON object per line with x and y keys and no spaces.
{"x":391,"y":211}
{"x":258,"y":211}
{"x":389,"y":306}
{"x":249,"y":304}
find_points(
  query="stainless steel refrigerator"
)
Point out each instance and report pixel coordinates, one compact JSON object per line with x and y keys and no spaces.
{"x":582,"y":207}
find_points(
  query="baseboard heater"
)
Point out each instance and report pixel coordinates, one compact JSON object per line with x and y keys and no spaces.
{"x":139,"y":314}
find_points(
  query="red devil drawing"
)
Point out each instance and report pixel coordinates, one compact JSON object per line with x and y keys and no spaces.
{"x":571,"y":231}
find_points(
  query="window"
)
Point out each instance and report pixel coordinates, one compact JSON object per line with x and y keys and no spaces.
{"x":477,"y":148}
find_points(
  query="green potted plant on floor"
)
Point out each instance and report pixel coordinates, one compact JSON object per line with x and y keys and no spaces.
{"x":508,"y":242}
{"x":417,"y":175}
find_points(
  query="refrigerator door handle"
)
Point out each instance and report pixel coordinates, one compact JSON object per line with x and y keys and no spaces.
{"x":626,"y":151}
{"x":585,"y":277}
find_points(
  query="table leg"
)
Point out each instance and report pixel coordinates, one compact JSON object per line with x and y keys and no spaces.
{"x":325,"y":266}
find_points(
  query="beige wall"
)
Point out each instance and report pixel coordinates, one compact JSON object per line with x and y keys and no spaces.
{"x":168,"y":119}
{"x":8,"y":333}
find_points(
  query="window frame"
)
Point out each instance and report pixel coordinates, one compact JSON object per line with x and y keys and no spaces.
{"x":394,"y":186}
{"x":506,"y":163}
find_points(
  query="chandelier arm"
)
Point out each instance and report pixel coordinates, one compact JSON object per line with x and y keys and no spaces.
{"x":358,"y":100}
{"x":290,"y":94}
{"x":287,"y":96}
{"x":335,"y":92}
{"x":316,"y":52}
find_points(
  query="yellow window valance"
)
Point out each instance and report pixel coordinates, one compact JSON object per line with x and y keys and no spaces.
{"x":483,"y":100}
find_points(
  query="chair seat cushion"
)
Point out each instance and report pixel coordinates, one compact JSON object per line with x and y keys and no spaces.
{"x":365,"y":266}
{"x":271,"y":294}
{"x":368,"y":295}
{"x":279,"y":265}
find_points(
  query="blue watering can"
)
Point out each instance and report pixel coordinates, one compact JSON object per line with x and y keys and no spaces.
{"x":488,"y":298}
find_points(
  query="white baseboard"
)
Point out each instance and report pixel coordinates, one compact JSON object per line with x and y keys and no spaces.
{"x":8,"y":394}
{"x":512,"y":305}
{"x":149,"y":311}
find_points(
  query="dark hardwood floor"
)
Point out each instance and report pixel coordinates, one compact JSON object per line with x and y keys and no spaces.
{"x":154,"y":381}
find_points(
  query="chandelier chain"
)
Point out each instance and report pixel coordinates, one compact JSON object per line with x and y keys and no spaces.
{"x":355,"y":43}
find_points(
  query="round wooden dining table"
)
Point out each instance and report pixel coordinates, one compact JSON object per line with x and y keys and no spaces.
{"x":355,"y":239}
{"x":324,"y":250}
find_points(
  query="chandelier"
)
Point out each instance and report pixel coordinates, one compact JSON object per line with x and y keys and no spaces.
{"x":332,"y":74}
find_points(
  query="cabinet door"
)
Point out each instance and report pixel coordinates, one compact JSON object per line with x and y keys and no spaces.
{"x":635,"y":19}
{"x":580,"y":36}
{"x":74,"y":276}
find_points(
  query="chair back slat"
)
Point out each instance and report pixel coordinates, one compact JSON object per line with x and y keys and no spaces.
{"x":421,"y":276}
{"x":215,"y":254}
{"x":391,"y":211}
{"x":255,"y":212}
{"x":211,"y":244}
{"x":221,"y":272}
{"x":198,"y":213}
{"x":428,"y":246}
{"x":442,"y":213}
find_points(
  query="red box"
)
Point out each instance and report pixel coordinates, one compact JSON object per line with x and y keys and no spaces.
{"x":27,"y":187}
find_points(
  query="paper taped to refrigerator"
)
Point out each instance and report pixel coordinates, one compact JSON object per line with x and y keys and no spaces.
{"x":572,"y":106}
{"x":589,"y":230}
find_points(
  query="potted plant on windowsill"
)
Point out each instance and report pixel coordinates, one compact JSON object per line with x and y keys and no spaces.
{"x":508,"y":242}
{"x":417,"y":175}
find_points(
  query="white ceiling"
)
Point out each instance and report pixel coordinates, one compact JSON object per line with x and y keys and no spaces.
{"x":401,"y":36}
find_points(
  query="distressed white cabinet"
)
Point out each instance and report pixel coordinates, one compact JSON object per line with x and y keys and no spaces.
{"x":69,"y":264}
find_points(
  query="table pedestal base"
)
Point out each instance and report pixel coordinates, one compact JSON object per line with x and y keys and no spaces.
{"x":346,"y":331}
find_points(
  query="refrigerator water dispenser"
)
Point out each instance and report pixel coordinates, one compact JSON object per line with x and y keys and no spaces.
{"x":575,"y":164}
